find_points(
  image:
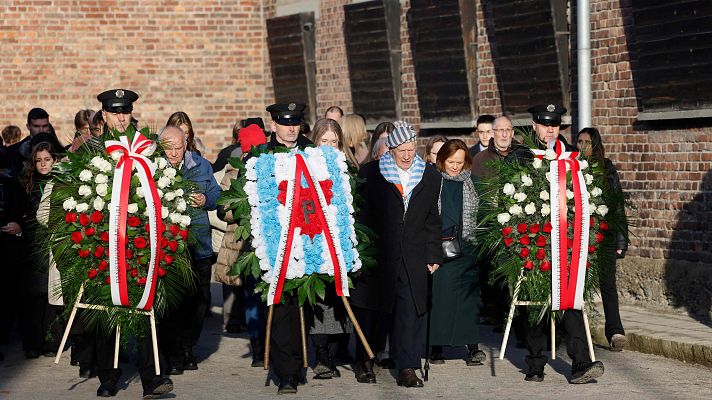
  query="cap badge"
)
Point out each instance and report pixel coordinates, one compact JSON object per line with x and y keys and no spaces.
{"x":292,"y":107}
{"x":119,"y":93}
{"x":550,"y":108}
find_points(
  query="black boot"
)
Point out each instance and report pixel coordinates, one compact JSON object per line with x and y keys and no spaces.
{"x":109,"y":379}
{"x":364,"y":372}
{"x":333,"y":347}
{"x":475,"y":356}
{"x":586,"y":372}
{"x":257,"y":347}
{"x":322,"y":369}
{"x":189,"y":361}
{"x":436,"y":355}
{"x":156,"y":387}
{"x":536,"y":368}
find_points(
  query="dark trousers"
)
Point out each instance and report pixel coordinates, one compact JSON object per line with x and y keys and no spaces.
{"x":576,"y":343}
{"x":609,"y":296}
{"x":41,"y":328}
{"x":405,"y":335}
{"x":104,"y":345}
{"x":372,"y":328}
{"x":233,"y":305}
{"x":181,"y":327}
{"x":286,"y":342}
{"x":254,"y":309}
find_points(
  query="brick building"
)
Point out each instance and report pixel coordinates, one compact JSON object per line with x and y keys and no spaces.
{"x":437,"y":64}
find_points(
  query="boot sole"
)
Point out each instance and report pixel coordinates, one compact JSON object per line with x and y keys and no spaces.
{"x":618,"y":343}
{"x":592,"y":373}
{"x":159,"y":391}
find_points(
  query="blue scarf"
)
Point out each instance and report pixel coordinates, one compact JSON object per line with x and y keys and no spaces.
{"x":389,"y":170}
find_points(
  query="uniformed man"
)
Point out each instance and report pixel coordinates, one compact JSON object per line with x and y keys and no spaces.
{"x":546,"y":123}
{"x":116,"y":108}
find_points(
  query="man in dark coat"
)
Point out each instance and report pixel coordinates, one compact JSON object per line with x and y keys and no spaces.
{"x":401,"y":205}
{"x":484,"y":132}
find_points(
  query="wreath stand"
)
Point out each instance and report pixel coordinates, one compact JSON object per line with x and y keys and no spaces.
{"x":78,"y":304}
{"x":305,"y":362}
{"x":510,"y":317}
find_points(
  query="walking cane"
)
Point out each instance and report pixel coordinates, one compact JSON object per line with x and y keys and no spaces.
{"x":427,"y":333}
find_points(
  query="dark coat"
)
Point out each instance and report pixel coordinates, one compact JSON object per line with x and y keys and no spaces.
{"x":413,"y":239}
{"x":476,"y":149}
{"x":614,"y":183}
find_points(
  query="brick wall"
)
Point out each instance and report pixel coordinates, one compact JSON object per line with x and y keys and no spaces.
{"x":333,"y":86}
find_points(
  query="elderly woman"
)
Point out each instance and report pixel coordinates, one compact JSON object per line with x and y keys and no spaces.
{"x":455,"y":309}
{"x":401,"y":205}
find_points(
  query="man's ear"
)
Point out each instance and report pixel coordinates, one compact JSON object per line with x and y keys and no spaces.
{"x":273,"y":126}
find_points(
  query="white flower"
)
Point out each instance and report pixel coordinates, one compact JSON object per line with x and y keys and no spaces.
{"x":602,"y":210}
{"x":180,"y":205}
{"x":160,"y":193}
{"x":596,"y":191}
{"x":503,"y":218}
{"x":102,"y":189}
{"x":101,"y":178}
{"x":545,"y":209}
{"x":169,"y":196}
{"x":85,"y":175}
{"x":139,"y":193}
{"x":163,"y":182}
{"x":569,"y":194}
{"x":508,"y":189}
{"x":527,"y":180}
{"x":170,"y":172}
{"x":164,"y":212}
{"x":583,"y":164}
{"x":179,"y":193}
{"x":69,"y":204}
{"x":520,"y":197}
{"x":175,"y":217}
{"x":515,"y":209}
{"x":589,"y":178}
{"x":82,"y":207}
{"x":149,"y":150}
{"x":84,"y":190}
{"x":548,"y":176}
{"x":537,"y":163}
{"x":98,"y":203}
{"x":530,"y":209}
{"x":544,"y":195}
{"x":116,"y":154}
{"x":96,"y":161}
{"x":184,"y":221}
{"x":161,"y":163}
{"x":550,"y":154}
{"x":133,"y":208}
{"x":592,"y":208}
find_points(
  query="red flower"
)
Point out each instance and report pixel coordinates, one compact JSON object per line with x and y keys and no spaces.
{"x":161,"y":272}
{"x":506,"y":231}
{"x":141,"y":281}
{"x":106,"y":252}
{"x":70,"y":217}
{"x":540,"y":254}
{"x":77,"y":237}
{"x":134,"y":221}
{"x":96,"y":217}
{"x":540,"y":241}
{"x":522,"y":228}
{"x":528,"y":265}
{"x":524,"y":253}
{"x":534,"y":228}
{"x":508,"y":241}
{"x":588,"y":265}
{"x":164,"y":242}
{"x":129,"y":253}
{"x":168,"y":259}
{"x":591,"y":221}
{"x":99,"y":251}
{"x":103,"y":265}
{"x":184,"y":234}
{"x":84,"y":219}
{"x":147,"y":227}
{"x":599,"y":237}
{"x":524,"y":239}
{"x":545,"y":266}
{"x":89,"y":231}
{"x":173,"y":245}
{"x":104,"y":236}
{"x":547,"y":227}
{"x":91,"y":274}
{"x":174,"y":229}
{"x":134,"y":272}
{"x":107,"y":280}
{"x":591,"y":249}
{"x":83,"y":253}
{"x":140,"y":242}
{"x":603,"y":225}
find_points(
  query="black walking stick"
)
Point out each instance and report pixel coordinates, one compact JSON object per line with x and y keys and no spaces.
{"x":429,"y":307}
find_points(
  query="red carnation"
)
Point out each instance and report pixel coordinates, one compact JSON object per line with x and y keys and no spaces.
{"x":89,"y":231}
{"x":524,"y":253}
{"x":603,"y":225}
{"x":147,"y":227}
{"x":103,"y":265}
{"x":129,"y":253}
{"x":173,"y":245}
{"x":540,"y":241}
{"x":168,"y":259}
{"x":99,"y":251}
{"x":140,"y":242}
{"x":591,"y":249}
{"x":588,"y":265}
{"x":107,"y":280}
{"x":84,"y":219}
{"x":70,"y":217}
{"x":547,"y":227}
{"x":83,"y":253}
{"x":141,"y":281}
{"x":96,"y":217}
{"x":545,"y":266}
{"x":534,"y":228}
{"x":591,"y":221}
{"x":161,"y":272}
{"x":508,"y":241}
{"x":184,"y":234}
{"x":528,"y":265}
{"x":522,"y":228}
{"x":134,"y":221}
{"x":164,"y":242}
{"x":599,"y":237}
{"x":77,"y":237}
{"x":174,"y":229}
{"x":506,"y":231}
{"x":91,"y":274}
{"x":540,"y":254}
{"x":104,"y":236}
{"x":134,"y":272}
{"x":106,"y":252}
{"x":524,"y":240}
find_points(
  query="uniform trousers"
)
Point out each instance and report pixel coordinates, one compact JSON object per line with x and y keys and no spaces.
{"x":576,"y":342}
{"x":609,"y":297}
{"x":104,"y":345}
{"x":285,"y":340}
{"x":406,"y":337}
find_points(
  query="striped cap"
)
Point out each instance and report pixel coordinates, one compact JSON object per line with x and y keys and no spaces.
{"x":402,"y":133}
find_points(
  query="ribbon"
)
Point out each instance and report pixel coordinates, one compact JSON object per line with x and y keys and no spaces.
{"x":281,"y":264}
{"x":132,"y":157}
{"x":567,"y":278}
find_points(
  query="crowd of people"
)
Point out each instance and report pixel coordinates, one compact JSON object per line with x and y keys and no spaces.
{"x":430,"y":281}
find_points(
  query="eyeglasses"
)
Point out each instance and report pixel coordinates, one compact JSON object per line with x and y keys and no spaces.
{"x":505,"y":130}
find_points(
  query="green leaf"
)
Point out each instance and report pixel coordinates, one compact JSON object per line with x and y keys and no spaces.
{"x":320,"y":288}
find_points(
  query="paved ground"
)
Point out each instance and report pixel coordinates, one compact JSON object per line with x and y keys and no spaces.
{"x":225,"y":374}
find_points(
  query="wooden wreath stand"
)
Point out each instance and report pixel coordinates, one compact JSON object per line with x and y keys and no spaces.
{"x":352,"y":317}
{"x":510,"y":317}
{"x":78,"y":304}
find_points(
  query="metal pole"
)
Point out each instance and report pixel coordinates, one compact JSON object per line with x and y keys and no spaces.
{"x":583,"y":51}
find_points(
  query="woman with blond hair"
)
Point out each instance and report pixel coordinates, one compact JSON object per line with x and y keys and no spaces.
{"x":355,"y":134}
{"x":327,"y":132}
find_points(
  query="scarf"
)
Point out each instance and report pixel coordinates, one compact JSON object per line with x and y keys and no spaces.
{"x":470,"y":201}
{"x":389,"y":170}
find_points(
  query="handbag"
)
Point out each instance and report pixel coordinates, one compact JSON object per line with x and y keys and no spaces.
{"x":451,"y":244}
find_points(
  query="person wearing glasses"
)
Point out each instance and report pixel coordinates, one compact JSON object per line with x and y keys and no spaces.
{"x":499,"y":146}
{"x":483,"y":130}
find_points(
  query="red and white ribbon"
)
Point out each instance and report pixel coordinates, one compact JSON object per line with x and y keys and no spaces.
{"x":132,"y":156}
{"x":567,"y":277}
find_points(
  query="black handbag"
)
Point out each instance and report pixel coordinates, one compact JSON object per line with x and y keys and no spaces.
{"x":451,"y":244}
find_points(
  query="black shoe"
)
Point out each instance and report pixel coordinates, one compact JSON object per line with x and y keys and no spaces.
{"x":287,"y":386}
{"x":157,"y":387}
{"x":32,"y":354}
{"x":50,"y":354}
{"x":86,"y":373}
{"x":586,"y":372}
{"x":74,"y":356}
{"x":387,"y":363}
{"x":232,"y":329}
{"x":257,"y":348}
{"x":534,"y":376}
{"x":106,"y":389}
{"x":175,"y":369}
{"x":189,"y":361}
{"x":407,"y":378}
{"x":364,"y":372}
{"x":475,"y":357}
